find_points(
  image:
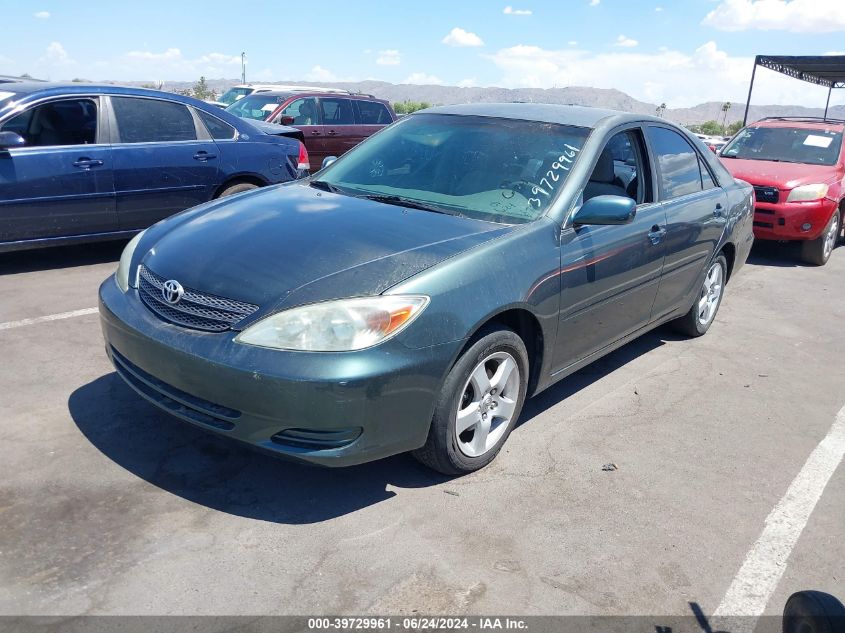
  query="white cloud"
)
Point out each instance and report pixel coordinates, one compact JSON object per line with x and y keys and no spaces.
{"x":470,"y":82}
{"x":423,"y":79}
{"x":679,"y":79}
{"x":509,"y":10}
{"x":798,"y":16}
{"x":834,"y":53}
{"x":572,"y":43}
{"x":459,"y":37}
{"x":389,"y":57}
{"x":594,"y":3}
{"x":658,"y":9}
{"x":57,"y":55}
{"x":318,"y":73}
{"x":625,"y":42}
{"x":41,"y":15}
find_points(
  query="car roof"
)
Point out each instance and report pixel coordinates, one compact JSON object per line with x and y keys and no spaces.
{"x":800,"y":123}
{"x":580,"y":116}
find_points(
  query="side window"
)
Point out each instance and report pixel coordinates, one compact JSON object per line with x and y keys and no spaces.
{"x":621,"y":169}
{"x":373,"y":113}
{"x":218,"y":130}
{"x":337,"y":111}
{"x":152,"y":120}
{"x":707,"y":181}
{"x":65,"y":122}
{"x":677,"y":161}
{"x":303,"y":111}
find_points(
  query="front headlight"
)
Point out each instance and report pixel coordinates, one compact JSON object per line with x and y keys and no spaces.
{"x":335,"y":326}
{"x":805,"y":193}
{"x":122,"y":274}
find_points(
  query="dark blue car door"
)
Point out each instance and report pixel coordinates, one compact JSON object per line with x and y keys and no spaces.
{"x":610,"y":274}
{"x":695,"y":220}
{"x":60,"y":183}
{"x":164,"y":159}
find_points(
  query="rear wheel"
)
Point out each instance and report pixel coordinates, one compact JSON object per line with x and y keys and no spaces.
{"x":479,"y":404}
{"x":813,"y":612}
{"x":238,"y":187}
{"x":700,"y":317}
{"x":818,"y":251}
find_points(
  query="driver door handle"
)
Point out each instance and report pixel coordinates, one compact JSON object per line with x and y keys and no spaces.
{"x":203,"y":156}
{"x":87,"y":163}
{"x":656,"y":234}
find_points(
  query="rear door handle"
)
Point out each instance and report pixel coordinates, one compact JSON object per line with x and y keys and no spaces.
{"x":656,"y":234}
{"x":87,"y":163}
{"x":203,"y":156}
{"x":331,"y":133}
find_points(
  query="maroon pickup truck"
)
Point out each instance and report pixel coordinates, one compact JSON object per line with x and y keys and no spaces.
{"x":332,"y":122}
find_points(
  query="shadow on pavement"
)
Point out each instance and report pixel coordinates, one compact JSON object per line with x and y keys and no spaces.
{"x":58,"y":257}
{"x":781,"y":255}
{"x":219,"y":474}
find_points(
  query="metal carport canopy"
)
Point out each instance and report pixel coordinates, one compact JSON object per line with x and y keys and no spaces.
{"x":822,"y":70}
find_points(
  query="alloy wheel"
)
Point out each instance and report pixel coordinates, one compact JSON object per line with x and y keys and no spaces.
{"x":831,"y":235}
{"x":487,"y":405}
{"x":711,"y":293}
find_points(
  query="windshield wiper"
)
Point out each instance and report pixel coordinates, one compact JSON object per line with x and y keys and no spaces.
{"x":325,"y":186}
{"x":406,"y":202}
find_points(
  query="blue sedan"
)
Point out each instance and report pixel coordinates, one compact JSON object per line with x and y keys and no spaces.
{"x":81,"y":162}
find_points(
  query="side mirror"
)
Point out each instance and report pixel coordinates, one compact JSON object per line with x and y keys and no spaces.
{"x":328,"y":160}
{"x":286,"y":119}
{"x":606,"y":210}
{"x":10,"y":139}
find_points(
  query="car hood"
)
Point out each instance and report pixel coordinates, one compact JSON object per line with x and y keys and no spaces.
{"x":781,"y":175}
{"x":294,"y":244}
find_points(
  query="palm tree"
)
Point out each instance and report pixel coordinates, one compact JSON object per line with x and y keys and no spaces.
{"x":725,"y":107}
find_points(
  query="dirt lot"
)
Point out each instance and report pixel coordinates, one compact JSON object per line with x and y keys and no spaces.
{"x":108,"y":506}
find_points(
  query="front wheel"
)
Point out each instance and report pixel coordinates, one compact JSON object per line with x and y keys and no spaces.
{"x":478,"y":405}
{"x":700,"y":317}
{"x":818,"y":251}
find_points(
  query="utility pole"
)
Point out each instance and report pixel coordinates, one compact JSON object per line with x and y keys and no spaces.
{"x":243,"y":68}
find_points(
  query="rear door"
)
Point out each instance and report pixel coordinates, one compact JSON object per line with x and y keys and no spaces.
{"x":340,"y":126}
{"x":59,"y":183}
{"x":164,"y":160}
{"x":695,"y":220}
{"x":306,"y":117}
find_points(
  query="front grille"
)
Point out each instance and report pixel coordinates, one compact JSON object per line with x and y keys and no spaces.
{"x":196,"y":310}
{"x":766,"y":194}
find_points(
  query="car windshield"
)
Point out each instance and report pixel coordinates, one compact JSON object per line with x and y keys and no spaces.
{"x":499,"y":170}
{"x":234,"y":94}
{"x":786,"y":144}
{"x":258,"y":106}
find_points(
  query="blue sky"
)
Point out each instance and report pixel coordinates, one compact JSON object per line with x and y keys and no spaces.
{"x":681,"y":52}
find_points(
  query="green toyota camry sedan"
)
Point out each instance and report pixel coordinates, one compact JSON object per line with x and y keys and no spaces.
{"x":412,"y":294}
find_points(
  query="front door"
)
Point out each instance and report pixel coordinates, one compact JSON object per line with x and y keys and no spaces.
{"x":695,"y":220}
{"x":163,"y":162}
{"x":60,"y":182}
{"x":306,"y":118}
{"x":610,"y":274}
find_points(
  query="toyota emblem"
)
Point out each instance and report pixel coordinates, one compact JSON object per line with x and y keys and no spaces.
{"x":172,"y":291}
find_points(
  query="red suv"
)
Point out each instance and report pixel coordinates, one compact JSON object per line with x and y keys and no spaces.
{"x":797,"y":168}
{"x":332,"y":122}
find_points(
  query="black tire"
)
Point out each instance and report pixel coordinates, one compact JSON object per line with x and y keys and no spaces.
{"x":238,"y":187}
{"x":815,"y":251}
{"x":442,"y":450}
{"x":690,"y":324}
{"x":813,"y":612}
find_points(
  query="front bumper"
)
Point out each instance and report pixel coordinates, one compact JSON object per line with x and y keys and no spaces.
{"x":332,"y":409}
{"x":784,"y":220}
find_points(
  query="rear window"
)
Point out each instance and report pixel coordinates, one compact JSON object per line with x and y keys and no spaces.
{"x":786,"y":145}
{"x":219,"y":130}
{"x":152,"y":121}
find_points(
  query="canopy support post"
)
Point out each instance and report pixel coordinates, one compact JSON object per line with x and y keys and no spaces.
{"x":827,"y":105}
{"x":750,"y":88}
